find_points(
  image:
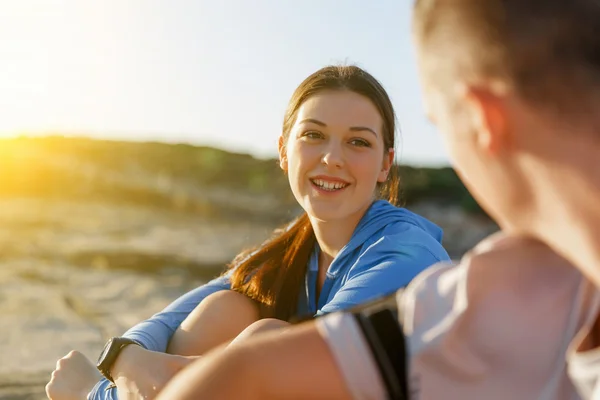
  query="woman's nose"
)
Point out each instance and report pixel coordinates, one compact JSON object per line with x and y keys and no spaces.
{"x":333,"y":157}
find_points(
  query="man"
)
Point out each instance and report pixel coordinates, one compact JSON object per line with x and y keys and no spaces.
{"x":514,"y":85}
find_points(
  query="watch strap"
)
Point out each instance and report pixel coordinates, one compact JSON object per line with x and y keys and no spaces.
{"x":110,"y":354}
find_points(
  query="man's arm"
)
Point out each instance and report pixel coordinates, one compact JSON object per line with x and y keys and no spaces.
{"x":359,"y":354}
{"x":296,"y":364}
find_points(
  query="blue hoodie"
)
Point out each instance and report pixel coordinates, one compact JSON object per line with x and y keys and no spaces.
{"x":388,"y":248}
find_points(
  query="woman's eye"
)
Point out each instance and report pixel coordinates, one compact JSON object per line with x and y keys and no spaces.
{"x":312,"y":135}
{"x":360,"y":143}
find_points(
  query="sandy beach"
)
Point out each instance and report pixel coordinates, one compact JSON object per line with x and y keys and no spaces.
{"x":73,"y":275}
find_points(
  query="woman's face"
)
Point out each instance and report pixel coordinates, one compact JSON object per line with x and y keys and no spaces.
{"x":335,"y":155}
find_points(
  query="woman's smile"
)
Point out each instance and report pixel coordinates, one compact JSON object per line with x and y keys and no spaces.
{"x":328,"y":185}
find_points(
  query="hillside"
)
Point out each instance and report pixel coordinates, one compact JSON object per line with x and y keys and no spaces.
{"x":183,"y":177}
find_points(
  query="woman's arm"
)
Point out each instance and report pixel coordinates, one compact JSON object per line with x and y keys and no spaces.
{"x":218,"y":319}
{"x":299,"y":364}
{"x":155,"y":333}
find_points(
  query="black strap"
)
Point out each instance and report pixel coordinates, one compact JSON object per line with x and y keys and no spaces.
{"x":382,"y":330}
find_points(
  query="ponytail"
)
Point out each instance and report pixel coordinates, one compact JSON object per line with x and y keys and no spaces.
{"x":274,"y":273}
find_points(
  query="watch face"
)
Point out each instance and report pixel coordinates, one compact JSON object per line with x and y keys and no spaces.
{"x":105,"y":350}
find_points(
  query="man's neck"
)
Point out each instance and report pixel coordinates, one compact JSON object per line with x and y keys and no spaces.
{"x":567,"y":215}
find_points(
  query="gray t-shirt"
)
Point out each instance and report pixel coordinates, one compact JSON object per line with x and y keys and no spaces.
{"x":503,"y":324}
{"x":584,"y":363}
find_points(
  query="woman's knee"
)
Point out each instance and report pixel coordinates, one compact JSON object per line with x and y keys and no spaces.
{"x":219,"y":318}
{"x":260,"y":326}
{"x":229,"y":296}
{"x":233,"y":302}
{"x":266,"y":324}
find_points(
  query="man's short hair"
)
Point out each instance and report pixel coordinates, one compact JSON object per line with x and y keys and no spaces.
{"x":548,"y":50}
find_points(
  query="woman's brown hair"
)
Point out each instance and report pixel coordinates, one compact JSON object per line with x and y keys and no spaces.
{"x":273,"y":274}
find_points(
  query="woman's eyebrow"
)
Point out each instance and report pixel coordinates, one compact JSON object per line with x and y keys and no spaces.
{"x":323,"y":124}
{"x":314,"y":121}
{"x":363,"y":128}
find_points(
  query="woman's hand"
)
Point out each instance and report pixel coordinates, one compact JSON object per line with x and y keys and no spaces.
{"x":73,"y":378}
{"x":140,"y":374}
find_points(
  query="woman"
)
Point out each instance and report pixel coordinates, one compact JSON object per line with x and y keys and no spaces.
{"x":337,"y":148}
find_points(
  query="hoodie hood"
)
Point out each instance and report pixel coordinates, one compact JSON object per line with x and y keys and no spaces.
{"x":380,"y":215}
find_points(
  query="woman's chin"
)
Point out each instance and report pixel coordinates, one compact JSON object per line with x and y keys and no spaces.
{"x":326,"y":212}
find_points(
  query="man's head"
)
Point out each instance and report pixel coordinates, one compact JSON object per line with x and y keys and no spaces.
{"x":510,"y":83}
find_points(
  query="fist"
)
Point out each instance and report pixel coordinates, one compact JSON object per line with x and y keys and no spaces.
{"x":73,"y":378}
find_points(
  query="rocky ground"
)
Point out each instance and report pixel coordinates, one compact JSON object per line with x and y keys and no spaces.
{"x":74,"y":274}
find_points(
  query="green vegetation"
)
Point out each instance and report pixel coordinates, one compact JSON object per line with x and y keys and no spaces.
{"x":191,"y":178}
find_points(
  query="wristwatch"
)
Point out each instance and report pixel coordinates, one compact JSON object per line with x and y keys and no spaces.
{"x":109,"y":354}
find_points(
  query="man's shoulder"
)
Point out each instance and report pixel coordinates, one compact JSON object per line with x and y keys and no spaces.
{"x":503,"y":279}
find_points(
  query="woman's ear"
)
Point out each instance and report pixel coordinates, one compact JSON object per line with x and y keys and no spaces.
{"x":282,"y":154}
{"x":388,"y":161}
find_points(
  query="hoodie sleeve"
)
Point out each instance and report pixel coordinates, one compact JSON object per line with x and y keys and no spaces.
{"x":155,"y":333}
{"x":384,"y":267}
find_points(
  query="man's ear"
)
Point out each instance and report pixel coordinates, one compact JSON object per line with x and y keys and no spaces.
{"x":489,"y":116}
{"x":388,"y":161}
{"x":282,"y":154}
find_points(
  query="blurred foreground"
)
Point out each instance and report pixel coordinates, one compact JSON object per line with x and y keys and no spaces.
{"x":96,"y":236}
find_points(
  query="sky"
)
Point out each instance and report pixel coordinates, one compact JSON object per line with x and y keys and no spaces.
{"x":216,"y":73}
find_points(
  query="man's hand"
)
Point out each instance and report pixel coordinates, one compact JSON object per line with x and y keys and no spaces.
{"x":73,"y":378}
{"x":141,"y":374}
